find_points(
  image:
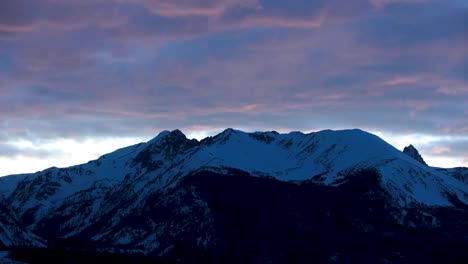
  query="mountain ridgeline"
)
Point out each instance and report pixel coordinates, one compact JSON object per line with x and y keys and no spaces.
{"x":264,"y":197}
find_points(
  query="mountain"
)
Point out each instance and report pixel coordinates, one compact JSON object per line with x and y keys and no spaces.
{"x":242,"y":197}
{"x":414,"y":153}
{"x":12,"y":233}
{"x":459,"y":173}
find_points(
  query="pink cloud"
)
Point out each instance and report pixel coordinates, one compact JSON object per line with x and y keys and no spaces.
{"x":193,"y":8}
{"x":440,"y":150}
{"x":399,"y":80}
{"x":277,"y":21}
{"x":183,"y":8}
{"x":286,"y":71}
{"x":453,"y":90}
{"x":383,"y":3}
{"x":16,"y":28}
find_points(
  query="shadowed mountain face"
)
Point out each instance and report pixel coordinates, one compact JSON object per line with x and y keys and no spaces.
{"x":330,"y":196}
{"x":414,"y":153}
{"x":12,"y":232}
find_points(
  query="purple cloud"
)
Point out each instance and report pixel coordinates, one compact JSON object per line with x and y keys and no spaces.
{"x":113,"y":67}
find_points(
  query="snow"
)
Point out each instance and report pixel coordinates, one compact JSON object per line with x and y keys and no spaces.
{"x":329,"y":152}
{"x":288,"y":157}
{"x":9,"y":183}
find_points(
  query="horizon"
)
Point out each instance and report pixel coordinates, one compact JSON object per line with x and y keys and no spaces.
{"x":109,"y":145}
{"x":81,"y":78}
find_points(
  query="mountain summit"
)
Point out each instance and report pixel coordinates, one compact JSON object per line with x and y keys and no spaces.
{"x":246,"y":197}
{"x":414,"y":153}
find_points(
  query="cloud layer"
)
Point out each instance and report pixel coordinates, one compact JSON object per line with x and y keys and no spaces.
{"x":92,"y":68}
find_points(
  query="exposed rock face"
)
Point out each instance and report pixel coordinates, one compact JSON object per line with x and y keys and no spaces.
{"x":413,"y":152}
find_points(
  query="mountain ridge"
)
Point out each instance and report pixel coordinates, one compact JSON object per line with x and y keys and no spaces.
{"x":100,"y":201}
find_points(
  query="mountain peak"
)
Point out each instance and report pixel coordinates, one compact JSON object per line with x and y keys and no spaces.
{"x":160,"y":135}
{"x":222,"y":137}
{"x":414,"y":153}
{"x":229,"y":131}
{"x":176,"y":133}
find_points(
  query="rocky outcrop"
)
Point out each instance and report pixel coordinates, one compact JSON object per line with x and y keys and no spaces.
{"x":413,"y":152}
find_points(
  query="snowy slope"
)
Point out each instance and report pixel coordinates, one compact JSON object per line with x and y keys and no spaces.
{"x":459,"y":173}
{"x":11,"y":232}
{"x":293,"y":156}
{"x":328,"y":154}
{"x":99,"y":194}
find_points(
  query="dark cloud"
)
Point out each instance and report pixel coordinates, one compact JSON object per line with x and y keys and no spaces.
{"x":460,"y":70}
{"x":402,"y":25}
{"x":16,"y":15}
{"x":12,"y":152}
{"x":76,"y":69}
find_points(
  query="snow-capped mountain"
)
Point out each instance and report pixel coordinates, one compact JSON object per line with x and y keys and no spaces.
{"x":142,"y":198}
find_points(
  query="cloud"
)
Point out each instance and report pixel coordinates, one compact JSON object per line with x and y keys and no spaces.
{"x":404,"y":25}
{"x":383,"y":3}
{"x":401,"y":80}
{"x":448,"y":148}
{"x":453,"y":91}
{"x":13,"y":151}
{"x":76,"y":69}
{"x":437,"y":150}
{"x":130,"y":19}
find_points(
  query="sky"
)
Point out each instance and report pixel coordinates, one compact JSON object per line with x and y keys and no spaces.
{"x":80,"y":78}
